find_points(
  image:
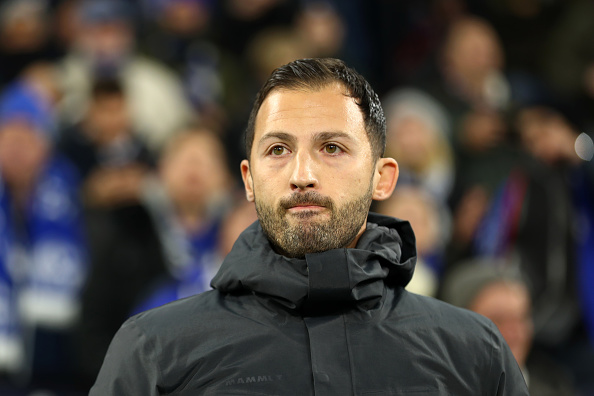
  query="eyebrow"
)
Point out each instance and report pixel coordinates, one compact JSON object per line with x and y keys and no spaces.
{"x":276,"y":135}
{"x":320,"y":136}
{"x":330,"y":135}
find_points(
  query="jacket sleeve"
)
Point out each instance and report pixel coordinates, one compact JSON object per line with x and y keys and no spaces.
{"x":505,"y":370}
{"x":130,"y":366}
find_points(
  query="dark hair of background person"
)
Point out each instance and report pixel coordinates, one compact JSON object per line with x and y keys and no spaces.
{"x":317,"y":73}
{"x":107,"y":87}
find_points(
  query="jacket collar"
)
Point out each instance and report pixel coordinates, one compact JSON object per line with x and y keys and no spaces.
{"x":384,"y":255}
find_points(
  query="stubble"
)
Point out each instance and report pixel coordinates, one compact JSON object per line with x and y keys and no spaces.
{"x":297,"y":234}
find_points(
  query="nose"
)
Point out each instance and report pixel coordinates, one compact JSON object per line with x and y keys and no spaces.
{"x":303,"y":176}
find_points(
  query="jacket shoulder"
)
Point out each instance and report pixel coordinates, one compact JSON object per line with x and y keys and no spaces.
{"x":142,"y":352}
{"x":437,"y":324}
{"x":429,"y":310}
{"x":184,"y":313}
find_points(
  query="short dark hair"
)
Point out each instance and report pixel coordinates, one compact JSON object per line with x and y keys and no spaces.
{"x":315,"y":74}
{"x":106,"y":87}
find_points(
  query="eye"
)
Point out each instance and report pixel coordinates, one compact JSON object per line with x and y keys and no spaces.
{"x":331,"y":148}
{"x":277,"y":150}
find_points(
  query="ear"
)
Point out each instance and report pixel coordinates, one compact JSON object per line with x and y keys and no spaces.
{"x":246,"y":175}
{"x":386,"y":176}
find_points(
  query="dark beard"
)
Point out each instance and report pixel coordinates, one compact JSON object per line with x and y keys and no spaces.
{"x":309,"y":235}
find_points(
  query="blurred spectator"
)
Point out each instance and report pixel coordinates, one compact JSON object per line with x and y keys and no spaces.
{"x":429,"y":220}
{"x":43,"y":261}
{"x":528,"y":216}
{"x":188,"y":203}
{"x":549,"y":137}
{"x":124,"y":250}
{"x":66,"y":23}
{"x":472,"y":63}
{"x":411,"y":34}
{"x":25,"y":37}
{"x":566,"y":159}
{"x":177,"y":33}
{"x":418,"y":136}
{"x":172,"y":28}
{"x":517,"y":211}
{"x":109,"y":155}
{"x":41,"y":77}
{"x":320,"y":29}
{"x":105,"y":47}
{"x":238,"y":21}
{"x":241,"y":216}
{"x":471,"y":85}
{"x":272,"y":48}
{"x":501,"y":295}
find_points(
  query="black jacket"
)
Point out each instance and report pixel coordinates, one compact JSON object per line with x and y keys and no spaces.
{"x":334,"y":323}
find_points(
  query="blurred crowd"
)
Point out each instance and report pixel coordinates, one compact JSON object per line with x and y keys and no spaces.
{"x":121,"y":127}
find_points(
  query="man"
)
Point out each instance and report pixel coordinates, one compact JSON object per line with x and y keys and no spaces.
{"x":311,"y":298}
{"x":105,"y":47}
{"x":496,"y":290}
{"x":124,"y":252}
{"x":43,"y":254}
{"x":188,"y":203}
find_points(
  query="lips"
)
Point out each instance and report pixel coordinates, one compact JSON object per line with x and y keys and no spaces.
{"x":308,"y":200}
{"x":306,"y":209}
{"x":306,"y":206}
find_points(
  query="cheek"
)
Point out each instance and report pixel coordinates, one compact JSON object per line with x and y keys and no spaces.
{"x":350,"y":183}
{"x":264,"y":189}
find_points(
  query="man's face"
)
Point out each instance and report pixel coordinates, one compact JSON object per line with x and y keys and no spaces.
{"x":311,"y":172}
{"x":106,"y":42}
{"x":108,"y":119}
{"x":508,"y":306}
{"x":23,"y":152}
{"x":194,"y":172}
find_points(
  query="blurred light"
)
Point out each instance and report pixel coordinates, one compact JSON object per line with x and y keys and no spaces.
{"x":584,"y":147}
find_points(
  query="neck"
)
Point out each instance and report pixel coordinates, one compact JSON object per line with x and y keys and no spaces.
{"x":191,"y":216}
{"x":20,"y":193}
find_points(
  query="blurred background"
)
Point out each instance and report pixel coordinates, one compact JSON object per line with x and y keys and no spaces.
{"x":121,"y":129}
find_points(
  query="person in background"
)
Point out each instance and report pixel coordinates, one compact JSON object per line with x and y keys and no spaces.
{"x":320,"y":28}
{"x":110,"y":156}
{"x":471,"y":67}
{"x":173,"y":29}
{"x":537,"y":217}
{"x":419,"y":134}
{"x":178,"y":33}
{"x":43,"y":252}
{"x":124,"y":248}
{"x":105,"y":48}
{"x":501,"y":295}
{"x":562,"y":157}
{"x":25,"y":37}
{"x":241,"y":216}
{"x":430,"y":220}
{"x":188,"y":203}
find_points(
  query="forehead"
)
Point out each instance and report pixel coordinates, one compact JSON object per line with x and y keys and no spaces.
{"x":194,"y":144}
{"x":501,"y":295}
{"x":18,"y":126}
{"x":299,"y":111}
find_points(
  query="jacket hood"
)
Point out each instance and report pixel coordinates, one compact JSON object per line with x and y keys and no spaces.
{"x":385,"y":255}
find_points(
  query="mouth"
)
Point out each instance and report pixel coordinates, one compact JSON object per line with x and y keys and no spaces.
{"x":306,"y":205}
{"x":302,"y":207}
